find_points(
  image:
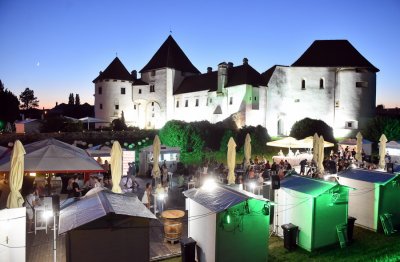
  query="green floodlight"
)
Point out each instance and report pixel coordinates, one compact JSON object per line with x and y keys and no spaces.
{"x":2,"y":124}
{"x":227,"y":218}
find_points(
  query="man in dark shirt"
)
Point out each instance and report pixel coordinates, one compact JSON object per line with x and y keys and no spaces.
{"x":75,"y":187}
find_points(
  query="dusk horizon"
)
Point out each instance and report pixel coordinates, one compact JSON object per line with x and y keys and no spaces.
{"x":58,"y":49}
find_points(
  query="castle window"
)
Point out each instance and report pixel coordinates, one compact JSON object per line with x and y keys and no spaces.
{"x":362,"y":84}
{"x":152,"y":103}
{"x":116,"y":107}
{"x":101,"y":106}
{"x":115,"y":80}
{"x":152,"y":88}
{"x":231,"y":100}
{"x":197,"y":102}
{"x":122,"y":90}
{"x":134,"y":107}
{"x":177,"y":104}
{"x":210,"y":100}
{"x":152,"y":115}
{"x":297,"y":100}
{"x":100,"y":91}
{"x":337,"y":104}
{"x":255,"y":98}
{"x":153,"y":72}
{"x":321,"y":83}
{"x":351,"y":124}
{"x":303,"y":84}
{"x":186,"y":103}
{"x":140,"y":91}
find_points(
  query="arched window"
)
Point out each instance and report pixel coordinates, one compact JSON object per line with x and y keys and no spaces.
{"x":321,"y":83}
{"x":303,"y":84}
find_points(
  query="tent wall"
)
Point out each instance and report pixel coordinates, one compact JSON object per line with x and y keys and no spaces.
{"x":201,"y":227}
{"x":246,"y":236}
{"x":389,"y":201}
{"x":127,"y":243}
{"x":296,"y":208}
{"x":363,"y":202}
{"x":327,"y":216}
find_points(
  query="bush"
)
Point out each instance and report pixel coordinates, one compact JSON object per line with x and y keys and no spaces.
{"x":308,"y":127}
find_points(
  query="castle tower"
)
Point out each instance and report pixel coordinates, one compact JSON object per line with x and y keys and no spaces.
{"x":113,"y":93}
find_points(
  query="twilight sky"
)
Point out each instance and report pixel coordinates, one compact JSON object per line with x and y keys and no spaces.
{"x":59,"y":47}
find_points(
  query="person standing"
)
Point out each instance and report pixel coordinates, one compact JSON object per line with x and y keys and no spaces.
{"x":146,"y":199}
{"x":30,"y":202}
{"x":75,"y":187}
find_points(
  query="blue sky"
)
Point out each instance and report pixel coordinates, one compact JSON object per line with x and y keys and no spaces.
{"x":59,"y":47}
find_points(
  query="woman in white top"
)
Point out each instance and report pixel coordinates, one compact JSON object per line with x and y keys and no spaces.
{"x":31,"y":201}
{"x":147,"y":196}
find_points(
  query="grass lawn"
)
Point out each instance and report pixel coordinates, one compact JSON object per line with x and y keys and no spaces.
{"x":366,"y":246}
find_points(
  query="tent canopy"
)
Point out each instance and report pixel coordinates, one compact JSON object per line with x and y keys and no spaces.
{"x":220,"y":198}
{"x":353,"y":142}
{"x":92,"y":120}
{"x":368,"y":175}
{"x":389,"y":145}
{"x":306,"y":185}
{"x":289,"y":142}
{"x":98,"y":205}
{"x":308,"y":142}
{"x":53,"y":156}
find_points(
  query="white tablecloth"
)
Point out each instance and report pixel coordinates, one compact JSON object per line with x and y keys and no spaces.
{"x":293,"y":160}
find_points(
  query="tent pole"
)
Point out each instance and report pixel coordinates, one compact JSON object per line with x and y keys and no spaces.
{"x":55,"y":238}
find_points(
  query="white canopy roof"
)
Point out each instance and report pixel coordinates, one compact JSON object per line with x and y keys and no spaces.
{"x":53,"y":156}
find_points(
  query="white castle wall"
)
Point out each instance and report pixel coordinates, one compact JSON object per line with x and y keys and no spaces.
{"x":110,"y":97}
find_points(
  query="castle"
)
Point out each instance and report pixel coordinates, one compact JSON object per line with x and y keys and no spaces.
{"x":331,"y":81}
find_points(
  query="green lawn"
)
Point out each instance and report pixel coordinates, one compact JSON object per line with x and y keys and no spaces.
{"x":366,"y":246}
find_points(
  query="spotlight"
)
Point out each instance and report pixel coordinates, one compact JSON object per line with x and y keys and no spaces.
{"x":209,"y":184}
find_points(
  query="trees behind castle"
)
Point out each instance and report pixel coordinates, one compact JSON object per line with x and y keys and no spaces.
{"x":388,"y":125}
{"x":9,"y":105}
{"x":28,"y":99}
{"x":308,"y":127}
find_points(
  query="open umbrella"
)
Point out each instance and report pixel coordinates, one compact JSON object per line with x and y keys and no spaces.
{"x":116,"y":166}
{"x":247,"y":151}
{"x":15,"y":198}
{"x":231,"y":160}
{"x":156,"y":155}
{"x":382,"y":151}
{"x":320,"y":166}
{"x":315,"y":147}
{"x":308,"y":142}
{"x":359,"y":146}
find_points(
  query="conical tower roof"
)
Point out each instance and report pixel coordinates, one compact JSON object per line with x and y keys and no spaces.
{"x":116,"y":70}
{"x":170,"y":55}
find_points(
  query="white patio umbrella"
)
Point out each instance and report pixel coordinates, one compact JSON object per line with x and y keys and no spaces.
{"x":116,"y":166}
{"x":320,"y":166}
{"x":382,"y":151}
{"x":315,"y":147}
{"x":247,"y":151}
{"x":15,"y":198}
{"x":308,"y":142}
{"x":231,"y":160}
{"x":156,"y":155}
{"x":359,"y":147}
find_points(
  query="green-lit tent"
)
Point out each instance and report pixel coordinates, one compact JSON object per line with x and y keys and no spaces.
{"x":377,"y":193}
{"x":317,"y":207}
{"x":228,"y":224}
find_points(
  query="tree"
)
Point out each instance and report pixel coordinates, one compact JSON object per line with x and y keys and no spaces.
{"x":390,"y":126}
{"x":28,"y":99}
{"x":308,"y":127}
{"x":71,"y":99}
{"x":77,"y":100}
{"x":9,"y":106}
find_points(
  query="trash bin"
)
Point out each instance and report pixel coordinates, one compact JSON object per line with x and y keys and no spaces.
{"x":350,"y":227}
{"x":290,"y":236}
{"x":188,"y":247}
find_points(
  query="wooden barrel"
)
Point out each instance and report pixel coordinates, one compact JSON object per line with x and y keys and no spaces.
{"x":172,"y":224}
{"x":172,"y":229}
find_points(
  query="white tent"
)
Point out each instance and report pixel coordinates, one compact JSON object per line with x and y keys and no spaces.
{"x":393,"y":148}
{"x":89,"y":120}
{"x":53,"y":156}
{"x":352,"y":142}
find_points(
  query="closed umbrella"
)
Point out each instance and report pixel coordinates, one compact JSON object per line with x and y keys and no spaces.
{"x":382,"y":151}
{"x":231,"y":160}
{"x":359,"y":146}
{"x":247,"y":151}
{"x":156,"y":155}
{"x":116,"y":166}
{"x":315,"y":147}
{"x":321,"y":155}
{"x":15,"y":198}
